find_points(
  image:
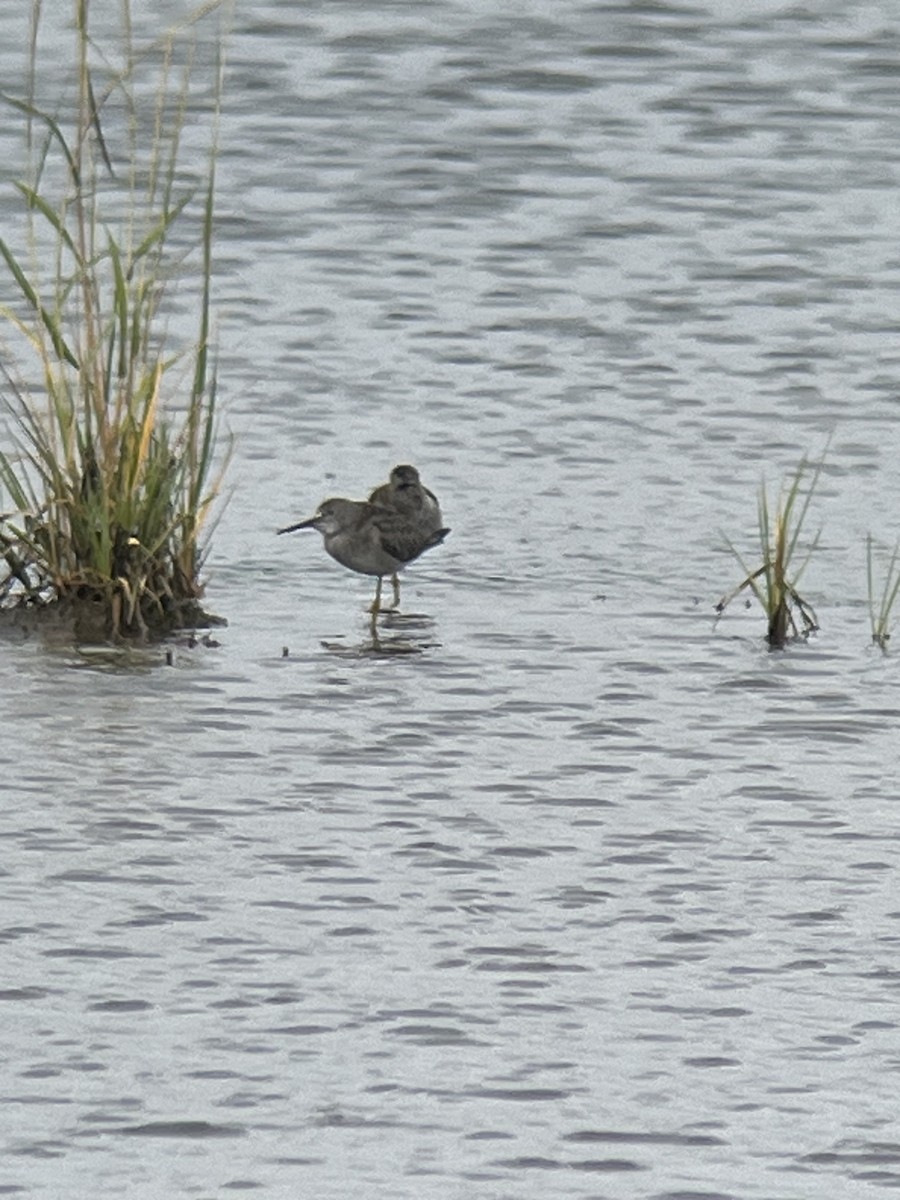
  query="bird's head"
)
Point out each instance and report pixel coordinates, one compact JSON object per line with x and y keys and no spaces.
{"x":329,"y":517}
{"x":404,"y":476}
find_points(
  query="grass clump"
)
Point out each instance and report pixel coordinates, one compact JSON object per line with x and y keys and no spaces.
{"x":110,"y":464}
{"x":880,"y":608}
{"x":774,"y":582}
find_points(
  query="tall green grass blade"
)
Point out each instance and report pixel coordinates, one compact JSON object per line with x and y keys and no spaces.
{"x":34,"y":113}
{"x":797,"y":523}
{"x":156,"y":236}
{"x":891,"y":589}
{"x":31,"y":296}
{"x":96,"y":126}
{"x":870,"y":588}
{"x":36,"y":201}
{"x":880,"y":612}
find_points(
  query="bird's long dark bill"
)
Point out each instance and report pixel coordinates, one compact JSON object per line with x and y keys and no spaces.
{"x":307,"y":524}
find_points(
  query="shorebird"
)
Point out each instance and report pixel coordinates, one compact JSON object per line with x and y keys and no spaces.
{"x":369,"y":539}
{"x":405,"y":493}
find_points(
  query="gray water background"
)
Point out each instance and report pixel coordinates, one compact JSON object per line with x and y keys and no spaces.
{"x":562,"y":891}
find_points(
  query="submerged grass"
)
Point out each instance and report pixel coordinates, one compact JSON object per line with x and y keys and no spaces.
{"x":774,"y":582}
{"x":112,"y":471}
{"x":880,"y":608}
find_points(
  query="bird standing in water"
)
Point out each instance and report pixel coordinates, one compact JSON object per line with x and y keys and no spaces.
{"x":404,"y":493}
{"x":369,"y":539}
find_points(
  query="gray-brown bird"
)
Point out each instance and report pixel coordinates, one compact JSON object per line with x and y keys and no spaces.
{"x":404,"y":493}
{"x":369,"y":539}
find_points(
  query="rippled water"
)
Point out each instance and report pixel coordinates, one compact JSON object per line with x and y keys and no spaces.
{"x":561,"y":890}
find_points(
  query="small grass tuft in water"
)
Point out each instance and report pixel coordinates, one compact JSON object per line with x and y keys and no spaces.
{"x":110,"y":465}
{"x":774,"y":583}
{"x":880,"y":608}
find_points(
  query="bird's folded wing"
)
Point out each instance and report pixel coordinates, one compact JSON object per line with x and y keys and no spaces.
{"x":404,"y":541}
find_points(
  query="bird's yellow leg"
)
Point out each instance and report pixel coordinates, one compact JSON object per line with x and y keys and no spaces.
{"x":376,"y":603}
{"x":395,"y":580}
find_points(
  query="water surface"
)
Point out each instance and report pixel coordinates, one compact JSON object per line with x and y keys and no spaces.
{"x":562,"y":890}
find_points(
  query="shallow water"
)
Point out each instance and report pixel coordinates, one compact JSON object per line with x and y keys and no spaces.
{"x":562,"y":889}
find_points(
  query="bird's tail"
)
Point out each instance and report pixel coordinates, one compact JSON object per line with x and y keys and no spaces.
{"x":435,"y":539}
